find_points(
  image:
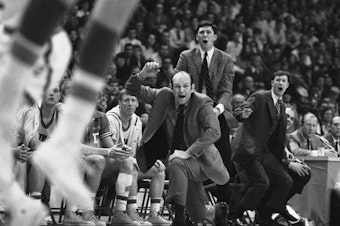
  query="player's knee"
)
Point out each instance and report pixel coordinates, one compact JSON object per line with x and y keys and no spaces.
{"x":127,"y":164}
{"x":100,"y":163}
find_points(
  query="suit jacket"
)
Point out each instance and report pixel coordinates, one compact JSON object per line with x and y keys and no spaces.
{"x":298,"y":143}
{"x":221,"y":71}
{"x":263,"y":131}
{"x":201,"y":128}
{"x":330,"y":139}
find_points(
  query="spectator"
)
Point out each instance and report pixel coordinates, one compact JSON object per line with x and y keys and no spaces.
{"x":234,"y":47}
{"x":163,"y":52}
{"x":326,"y":117}
{"x":258,"y":72}
{"x":237,"y":100}
{"x":292,"y":120}
{"x":165,"y":73}
{"x":137,"y":59}
{"x":190,"y":33}
{"x":305,"y":141}
{"x":150,"y":46}
{"x":123,"y":62}
{"x":177,"y":36}
{"x":130,"y":38}
{"x":156,"y":18}
{"x":112,"y":94}
{"x":333,"y":136}
{"x":141,"y":33}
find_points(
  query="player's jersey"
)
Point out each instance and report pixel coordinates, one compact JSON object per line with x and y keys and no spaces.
{"x":46,"y":128}
{"x":97,"y":129}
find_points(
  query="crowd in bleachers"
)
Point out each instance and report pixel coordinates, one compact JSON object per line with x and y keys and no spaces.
{"x":301,"y":37}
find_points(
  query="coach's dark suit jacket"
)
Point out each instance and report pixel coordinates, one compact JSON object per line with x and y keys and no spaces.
{"x":201,"y":129}
{"x":221,"y":73}
{"x":263,"y":130}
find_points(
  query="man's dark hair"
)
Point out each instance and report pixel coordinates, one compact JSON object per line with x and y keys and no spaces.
{"x":281,"y":73}
{"x":124,"y":92}
{"x":206,"y":23}
{"x":129,"y":44}
{"x":191,"y":78}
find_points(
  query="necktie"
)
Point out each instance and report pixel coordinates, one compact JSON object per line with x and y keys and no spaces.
{"x":336,"y":146}
{"x":278,"y":106}
{"x":178,"y":32}
{"x":178,"y":137}
{"x":205,"y":76}
{"x":309,"y":145}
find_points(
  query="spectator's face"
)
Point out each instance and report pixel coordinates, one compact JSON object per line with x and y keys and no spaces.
{"x":129,"y":50}
{"x":164,"y":50}
{"x":182,"y":88}
{"x":137,"y":51}
{"x":152,"y":39}
{"x":290,"y":117}
{"x":166,"y":63}
{"x":327,"y":116}
{"x":159,"y":8}
{"x":115,"y":88}
{"x":309,"y":127}
{"x":128,"y":104}
{"x":52,"y":96}
{"x":132,"y":33}
{"x":280,"y":85}
{"x":249,"y":82}
{"x":165,"y":37}
{"x":206,"y":37}
{"x":335,"y":127}
{"x":237,"y":101}
{"x":139,"y":26}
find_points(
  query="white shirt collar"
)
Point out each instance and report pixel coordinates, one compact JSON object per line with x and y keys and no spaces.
{"x":210,"y":54}
{"x":335,"y":139}
{"x":274,"y":97}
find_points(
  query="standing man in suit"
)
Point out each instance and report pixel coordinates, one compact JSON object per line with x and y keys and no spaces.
{"x":189,"y":123}
{"x":259,"y":150}
{"x":213,"y":74}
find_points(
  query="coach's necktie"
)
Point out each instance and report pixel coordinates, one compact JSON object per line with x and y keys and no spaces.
{"x":278,"y":106}
{"x":205,"y":77}
{"x":178,"y":136}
